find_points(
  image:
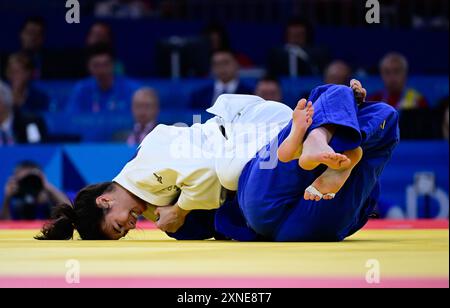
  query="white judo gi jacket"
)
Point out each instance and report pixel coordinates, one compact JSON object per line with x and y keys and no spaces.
{"x":193,"y":166}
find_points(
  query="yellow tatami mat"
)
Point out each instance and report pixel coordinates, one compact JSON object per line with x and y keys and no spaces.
{"x":414,"y":257}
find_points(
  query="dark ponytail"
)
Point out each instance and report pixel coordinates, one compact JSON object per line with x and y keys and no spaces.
{"x":62,"y":225}
{"x":84,"y":216}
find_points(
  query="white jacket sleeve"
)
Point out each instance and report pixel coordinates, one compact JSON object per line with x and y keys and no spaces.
{"x":200,"y":191}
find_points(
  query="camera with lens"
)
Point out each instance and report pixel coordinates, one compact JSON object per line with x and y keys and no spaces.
{"x":26,"y":198}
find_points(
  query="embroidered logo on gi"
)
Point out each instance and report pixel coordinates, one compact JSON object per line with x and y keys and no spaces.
{"x":382,"y":126}
{"x":158,"y":178}
{"x":174,"y":187}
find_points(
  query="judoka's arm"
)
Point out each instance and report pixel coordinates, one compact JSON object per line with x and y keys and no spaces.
{"x":171,"y":218}
{"x":201,"y":191}
{"x":149,"y":213}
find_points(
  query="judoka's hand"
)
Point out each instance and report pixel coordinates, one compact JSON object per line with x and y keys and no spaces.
{"x":171,"y":218}
{"x":358,"y":90}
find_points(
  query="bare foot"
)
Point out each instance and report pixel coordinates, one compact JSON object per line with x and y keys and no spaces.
{"x":291,"y":148}
{"x":316,"y":151}
{"x":331,"y":181}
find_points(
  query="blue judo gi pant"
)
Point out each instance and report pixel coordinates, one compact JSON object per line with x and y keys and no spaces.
{"x":269,"y":204}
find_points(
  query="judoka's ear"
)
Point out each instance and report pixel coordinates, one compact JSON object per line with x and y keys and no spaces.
{"x":103,"y":202}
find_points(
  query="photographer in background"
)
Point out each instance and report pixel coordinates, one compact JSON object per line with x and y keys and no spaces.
{"x":28,"y":194}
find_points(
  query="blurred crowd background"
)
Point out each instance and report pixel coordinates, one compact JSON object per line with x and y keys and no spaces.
{"x":130,"y":65}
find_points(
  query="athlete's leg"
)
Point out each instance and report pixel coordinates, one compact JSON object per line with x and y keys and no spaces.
{"x":316,"y":150}
{"x":334,"y":129}
{"x":336,"y":219}
{"x":331,"y":181}
{"x":292,"y":146}
{"x":267,"y":195}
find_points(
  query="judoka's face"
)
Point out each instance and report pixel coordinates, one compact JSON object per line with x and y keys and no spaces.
{"x":122,"y":212}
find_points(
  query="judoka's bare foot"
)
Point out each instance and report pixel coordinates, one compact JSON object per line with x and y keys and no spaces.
{"x":331,"y":181}
{"x":291,"y":148}
{"x":316,"y":151}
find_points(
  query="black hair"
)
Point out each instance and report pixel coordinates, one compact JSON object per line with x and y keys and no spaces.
{"x":303,"y":22}
{"x":215,"y":27}
{"x":269,"y":78}
{"x":105,"y":25}
{"x":27,"y":164}
{"x":38,"y":20}
{"x":84,"y":216}
{"x":99,"y":49}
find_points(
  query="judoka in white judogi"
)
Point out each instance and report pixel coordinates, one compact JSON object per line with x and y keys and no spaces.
{"x":194,"y":166}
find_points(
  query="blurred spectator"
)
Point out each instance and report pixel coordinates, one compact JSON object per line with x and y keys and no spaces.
{"x":269,"y":89}
{"x":16,"y":127}
{"x":218,"y":39}
{"x":26,"y":96}
{"x":32,"y":38}
{"x":338,"y":72}
{"x":6,"y":101}
{"x":445,"y":125}
{"x":122,"y":8}
{"x":394,"y":72}
{"x":444,"y":112}
{"x":225,"y":70}
{"x":185,"y":56}
{"x":298,"y":57}
{"x":169,"y":9}
{"x":47,"y":64}
{"x":145,"y":112}
{"x":101,"y":33}
{"x":103,"y":91}
{"x":28,"y":194}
